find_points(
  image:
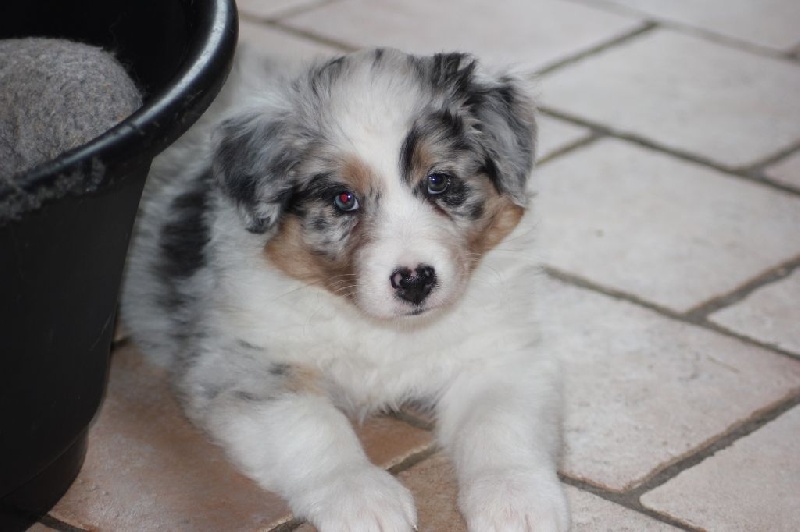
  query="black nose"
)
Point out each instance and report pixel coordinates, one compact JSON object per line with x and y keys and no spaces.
{"x":414,"y":286}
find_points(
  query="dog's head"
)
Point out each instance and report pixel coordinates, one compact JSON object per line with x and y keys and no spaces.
{"x":380,"y":176}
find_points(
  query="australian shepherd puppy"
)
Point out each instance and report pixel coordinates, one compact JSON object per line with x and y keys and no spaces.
{"x":343,"y":238}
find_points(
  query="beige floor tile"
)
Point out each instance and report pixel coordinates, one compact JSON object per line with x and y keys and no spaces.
{"x":770,"y":23}
{"x":556,"y":134}
{"x":668,"y":231}
{"x":752,"y":485}
{"x":643,"y":391}
{"x":770,"y":314}
{"x":389,"y":442}
{"x":686,"y":93}
{"x":278,"y":43}
{"x":786,"y":171}
{"x":148,"y":469}
{"x":272,"y":8}
{"x":593,"y":514}
{"x":531,"y":34}
{"x":433,"y":484}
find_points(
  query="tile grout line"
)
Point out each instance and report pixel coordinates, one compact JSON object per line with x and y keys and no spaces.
{"x":760,"y":176}
{"x":580,"y":282}
{"x":643,"y":142}
{"x":695,"y":31}
{"x":278,"y":22}
{"x":700,"y":313}
{"x":642,"y":29}
{"x":310,"y":35}
{"x":794,"y":53}
{"x":631,"y":498}
{"x":720,"y":329}
{"x":623,"y":499}
{"x":586,"y":284}
{"x":761,"y":165}
{"x":730,"y":436}
{"x":582,"y":142}
{"x":726,"y":41}
{"x":416,"y":457}
{"x":342,"y":47}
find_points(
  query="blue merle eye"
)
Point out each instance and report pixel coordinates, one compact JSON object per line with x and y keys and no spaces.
{"x":346,"y":201}
{"x":437,"y":183}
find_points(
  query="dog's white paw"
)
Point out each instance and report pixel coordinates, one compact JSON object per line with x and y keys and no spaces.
{"x":515,"y":501}
{"x":367,"y":499}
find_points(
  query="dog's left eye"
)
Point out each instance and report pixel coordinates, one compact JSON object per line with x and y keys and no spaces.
{"x":437,"y":183}
{"x":346,"y":201}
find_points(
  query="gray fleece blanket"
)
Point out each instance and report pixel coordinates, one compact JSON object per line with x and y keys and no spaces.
{"x":56,"y":95}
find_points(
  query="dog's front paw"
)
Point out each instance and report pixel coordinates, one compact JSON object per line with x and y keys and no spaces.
{"x":515,"y":501}
{"x":367,"y":499}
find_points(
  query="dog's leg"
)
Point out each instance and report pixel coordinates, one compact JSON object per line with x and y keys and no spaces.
{"x":298,"y":444}
{"x":502,"y":428}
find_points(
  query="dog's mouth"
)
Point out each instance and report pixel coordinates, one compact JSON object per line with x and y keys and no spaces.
{"x":426,"y":309}
{"x":405,"y":312}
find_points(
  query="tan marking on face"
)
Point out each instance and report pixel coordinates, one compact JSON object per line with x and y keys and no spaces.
{"x":288,"y":251}
{"x":422,"y":160}
{"x":501,"y":216}
{"x":290,"y":254}
{"x":357,"y":174}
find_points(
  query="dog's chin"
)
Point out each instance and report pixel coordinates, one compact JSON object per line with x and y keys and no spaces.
{"x":405,"y":313}
{"x":419,"y":315}
{"x":414,"y":318}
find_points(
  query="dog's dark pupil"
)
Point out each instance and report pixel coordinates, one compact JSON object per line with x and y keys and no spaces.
{"x":437,"y":183}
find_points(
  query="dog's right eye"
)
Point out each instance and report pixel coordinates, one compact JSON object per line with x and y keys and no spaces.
{"x":346,"y":201}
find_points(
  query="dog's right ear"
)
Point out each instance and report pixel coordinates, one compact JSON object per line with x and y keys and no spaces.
{"x":252,"y":163}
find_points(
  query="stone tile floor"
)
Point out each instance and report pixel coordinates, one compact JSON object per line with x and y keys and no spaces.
{"x":669,"y":194}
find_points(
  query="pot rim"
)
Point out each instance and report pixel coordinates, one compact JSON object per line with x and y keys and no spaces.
{"x":136,"y":140}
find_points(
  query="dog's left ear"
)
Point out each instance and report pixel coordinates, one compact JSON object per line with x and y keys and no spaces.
{"x":506,"y":115}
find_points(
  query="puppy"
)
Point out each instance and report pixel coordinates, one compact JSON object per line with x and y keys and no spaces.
{"x":340,"y":239}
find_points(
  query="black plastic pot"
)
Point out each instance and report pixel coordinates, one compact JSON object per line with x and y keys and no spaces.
{"x":65,"y":226}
